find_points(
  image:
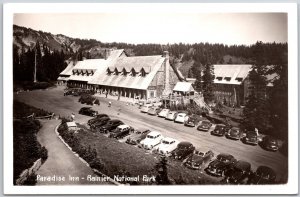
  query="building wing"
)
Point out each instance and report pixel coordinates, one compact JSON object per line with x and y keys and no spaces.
{"x":231,"y":73}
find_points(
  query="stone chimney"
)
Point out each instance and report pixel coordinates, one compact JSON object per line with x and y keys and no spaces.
{"x":107,"y":53}
{"x":167,"y":89}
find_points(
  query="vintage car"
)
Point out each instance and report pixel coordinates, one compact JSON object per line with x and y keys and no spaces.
{"x":121,"y":131}
{"x":263,"y":175}
{"x":238,"y":173}
{"x":100,"y":122}
{"x":137,"y":136}
{"x":167,"y":146}
{"x":96,"y":118}
{"x":145,"y":108}
{"x":198,"y":159}
{"x":220,"y":165}
{"x":204,"y":125}
{"x":234,"y":133}
{"x":183,"y":150}
{"x":110,"y":125}
{"x":270,"y":143}
{"x":251,"y":138}
{"x":163,"y":113}
{"x":192,"y":121}
{"x":219,"y":130}
{"x":152,"y":139}
{"x":180,"y":118}
{"x":171,"y":115}
{"x":88,"y":111}
{"x":153,"y":111}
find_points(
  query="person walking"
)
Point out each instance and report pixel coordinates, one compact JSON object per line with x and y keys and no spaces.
{"x":73,"y":117}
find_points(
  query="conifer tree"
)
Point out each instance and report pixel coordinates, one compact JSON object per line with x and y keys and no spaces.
{"x":162,"y":172}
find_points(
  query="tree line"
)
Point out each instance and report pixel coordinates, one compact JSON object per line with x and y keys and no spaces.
{"x":48,"y":63}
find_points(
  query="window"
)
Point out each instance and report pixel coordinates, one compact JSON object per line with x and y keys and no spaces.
{"x":227,"y":78}
{"x":239,"y":79}
{"x":116,"y":71}
{"x":124,"y":72}
{"x":133,"y":72}
{"x":143,"y":73}
{"x":219,"y":78}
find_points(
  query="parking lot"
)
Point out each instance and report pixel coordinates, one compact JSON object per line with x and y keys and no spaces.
{"x":54,"y":101}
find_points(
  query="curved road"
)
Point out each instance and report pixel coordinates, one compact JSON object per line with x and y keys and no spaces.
{"x":53,"y":100}
{"x":61,"y":161}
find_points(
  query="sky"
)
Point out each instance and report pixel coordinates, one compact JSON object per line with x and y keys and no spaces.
{"x":136,"y":28}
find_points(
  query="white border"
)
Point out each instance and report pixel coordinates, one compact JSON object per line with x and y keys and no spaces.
{"x":291,"y":8}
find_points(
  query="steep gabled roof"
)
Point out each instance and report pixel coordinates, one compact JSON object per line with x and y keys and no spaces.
{"x":68,"y":69}
{"x":183,"y":87}
{"x":151,"y":64}
{"x":231,"y":73}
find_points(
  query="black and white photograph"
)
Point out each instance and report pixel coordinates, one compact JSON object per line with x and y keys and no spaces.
{"x":149,"y":97}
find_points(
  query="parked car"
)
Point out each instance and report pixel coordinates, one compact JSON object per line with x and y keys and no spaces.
{"x":100,"y":122}
{"x":88,"y":111}
{"x":146,"y":108}
{"x":171,"y":115}
{"x":220,"y":165}
{"x":180,"y":118}
{"x":263,"y":175}
{"x":239,"y":172}
{"x":167,"y":146}
{"x":234,"y":133}
{"x":183,"y":150}
{"x":152,"y":139}
{"x":192,"y":121}
{"x":219,"y":130}
{"x":204,"y":125}
{"x":198,"y":159}
{"x":163,"y":113}
{"x":154,"y":111}
{"x":121,"y":131}
{"x":270,"y":143}
{"x":251,"y":138}
{"x":110,"y":125}
{"x":137,"y":136}
{"x":96,"y":118}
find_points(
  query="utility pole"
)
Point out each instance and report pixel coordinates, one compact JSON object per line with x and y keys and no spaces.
{"x":34,"y":73}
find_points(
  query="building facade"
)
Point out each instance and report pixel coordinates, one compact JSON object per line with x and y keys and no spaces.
{"x":138,"y":76}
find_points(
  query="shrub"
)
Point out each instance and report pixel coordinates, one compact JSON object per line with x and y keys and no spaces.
{"x":86,"y":99}
{"x":31,"y":180}
{"x":97,"y":164}
{"x":21,"y":110}
{"x":44,"y":154}
{"x":162,"y":172}
{"x":26,"y":148}
{"x":97,"y":102}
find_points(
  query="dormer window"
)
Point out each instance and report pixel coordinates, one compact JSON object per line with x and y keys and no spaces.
{"x":227,"y":78}
{"x":143,"y":73}
{"x":239,"y":79}
{"x":124,"y":72}
{"x":133,"y":72}
{"x":109,"y":71}
{"x":219,"y":78}
{"x":116,"y":71}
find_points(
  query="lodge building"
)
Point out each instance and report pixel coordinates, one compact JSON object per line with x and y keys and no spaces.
{"x":143,"y":76}
{"x":232,"y":84}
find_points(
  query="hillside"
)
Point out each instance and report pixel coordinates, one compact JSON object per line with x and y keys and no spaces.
{"x":182,"y":56}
